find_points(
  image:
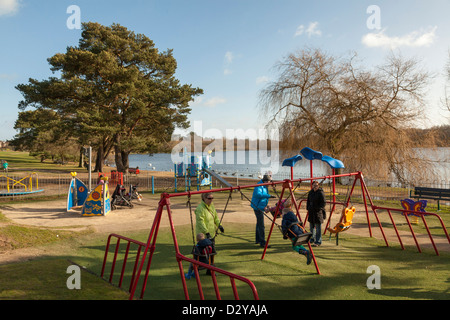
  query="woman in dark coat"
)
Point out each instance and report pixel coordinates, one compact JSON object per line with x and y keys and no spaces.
{"x":316,"y":212}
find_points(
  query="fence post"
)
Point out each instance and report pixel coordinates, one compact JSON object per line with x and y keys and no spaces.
{"x":153,"y":185}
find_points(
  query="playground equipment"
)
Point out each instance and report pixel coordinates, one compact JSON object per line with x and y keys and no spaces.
{"x":114,"y":178}
{"x":288,"y":191}
{"x":409,"y":204}
{"x":146,"y":250}
{"x":312,"y":155}
{"x":20,"y":186}
{"x":77,"y":194}
{"x":194,"y":166}
{"x":98,"y":202}
{"x":344,"y":223}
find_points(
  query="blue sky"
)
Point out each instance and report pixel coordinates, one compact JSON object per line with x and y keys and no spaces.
{"x":228,"y":48}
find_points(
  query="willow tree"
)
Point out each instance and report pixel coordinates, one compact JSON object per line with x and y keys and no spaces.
{"x":115,"y":91}
{"x":350,"y":112}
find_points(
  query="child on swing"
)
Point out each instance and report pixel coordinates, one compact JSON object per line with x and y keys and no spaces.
{"x":202,"y":244}
{"x":291,"y":229}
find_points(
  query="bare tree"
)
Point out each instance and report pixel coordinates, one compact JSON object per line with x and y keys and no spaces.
{"x":350,"y":112}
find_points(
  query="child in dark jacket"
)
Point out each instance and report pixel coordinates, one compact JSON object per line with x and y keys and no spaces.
{"x":291,"y":229}
{"x":202,"y":250}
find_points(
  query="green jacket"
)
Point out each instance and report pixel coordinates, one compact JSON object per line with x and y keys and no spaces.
{"x":206,"y":219}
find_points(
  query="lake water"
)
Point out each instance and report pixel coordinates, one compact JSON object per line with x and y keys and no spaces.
{"x":253,"y":163}
{"x":230,"y":163}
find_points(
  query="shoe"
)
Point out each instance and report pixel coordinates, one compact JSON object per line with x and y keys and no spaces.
{"x":308,"y":257}
{"x":264,"y":245}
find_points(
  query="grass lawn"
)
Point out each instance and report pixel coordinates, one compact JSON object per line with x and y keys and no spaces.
{"x":23,"y":162}
{"x":282,"y":275}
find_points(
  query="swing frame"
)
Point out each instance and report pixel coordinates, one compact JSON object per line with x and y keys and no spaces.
{"x":148,"y":248}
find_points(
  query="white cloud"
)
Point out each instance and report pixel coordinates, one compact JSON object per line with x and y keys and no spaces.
{"x":211,"y":103}
{"x":229,"y":57}
{"x":413,"y":39}
{"x":312,"y":30}
{"x":214,"y":102}
{"x":7,"y":76}
{"x":299,"y":31}
{"x":9,"y":7}
{"x":262,"y":79}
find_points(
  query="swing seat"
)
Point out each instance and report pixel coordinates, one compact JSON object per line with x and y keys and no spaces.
{"x":204,"y":255}
{"x":346,"y":221}
{"x":297,"y":239}
{"x":302,"y":239}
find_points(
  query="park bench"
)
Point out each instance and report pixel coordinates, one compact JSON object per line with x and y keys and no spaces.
{"x":437,"y":194}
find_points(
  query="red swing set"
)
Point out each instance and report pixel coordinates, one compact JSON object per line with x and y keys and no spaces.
{"x":147,"y":249}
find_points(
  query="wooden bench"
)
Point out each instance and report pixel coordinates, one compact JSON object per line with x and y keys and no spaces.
{"x":437,"y":194}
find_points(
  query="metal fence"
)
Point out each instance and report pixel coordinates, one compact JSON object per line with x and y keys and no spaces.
{"x":57,"y":185}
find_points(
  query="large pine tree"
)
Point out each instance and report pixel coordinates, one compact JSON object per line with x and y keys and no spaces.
{"x":115,"y":91}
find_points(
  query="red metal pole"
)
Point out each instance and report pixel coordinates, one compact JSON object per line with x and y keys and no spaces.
{"x":366,"y":191}
{"x":114,"y":261}
{"x":413,"y":234}
{"x":395,"y":228}
{"x":429,"y":234}
{"x":124,"y":264}
{"x":152,"y":251}
{"x":177,"y":252}
{"x":273,"y":223}
{"x":216,"y":287}
{"x":141,"y":265}
{"x":106,"y":255}
{"x":135,"y":268}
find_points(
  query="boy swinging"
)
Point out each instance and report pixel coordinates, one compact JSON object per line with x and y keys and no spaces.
{"x":293,"y":229}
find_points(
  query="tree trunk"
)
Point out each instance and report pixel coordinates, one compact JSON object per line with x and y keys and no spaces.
{"x":99,"y":160}
{"x":118,"y":159}
{"x":81,"y":161}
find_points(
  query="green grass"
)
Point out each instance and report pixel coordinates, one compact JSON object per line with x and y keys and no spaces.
{"x":22,"y":161}
{"x":46,"y":279}
{"x":282,"y":275}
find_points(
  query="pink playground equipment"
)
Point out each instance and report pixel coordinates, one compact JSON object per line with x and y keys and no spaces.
{"x":145,"y":251}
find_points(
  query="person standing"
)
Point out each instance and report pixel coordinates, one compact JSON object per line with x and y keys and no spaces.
{"x":316,"y":212}
{"x":207,"y":221}
{"x":259,"y":203}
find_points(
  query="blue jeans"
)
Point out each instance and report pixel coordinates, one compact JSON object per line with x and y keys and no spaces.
{"x":259,"y":234}
{"x":316,"y":230}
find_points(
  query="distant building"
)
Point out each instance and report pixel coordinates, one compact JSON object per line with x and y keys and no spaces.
{"x":4,"y":145}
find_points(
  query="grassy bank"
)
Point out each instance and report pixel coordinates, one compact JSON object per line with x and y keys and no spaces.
{"x":282,"y":275}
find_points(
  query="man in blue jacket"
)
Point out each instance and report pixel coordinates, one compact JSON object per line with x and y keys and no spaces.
{"x":260,"y":200}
